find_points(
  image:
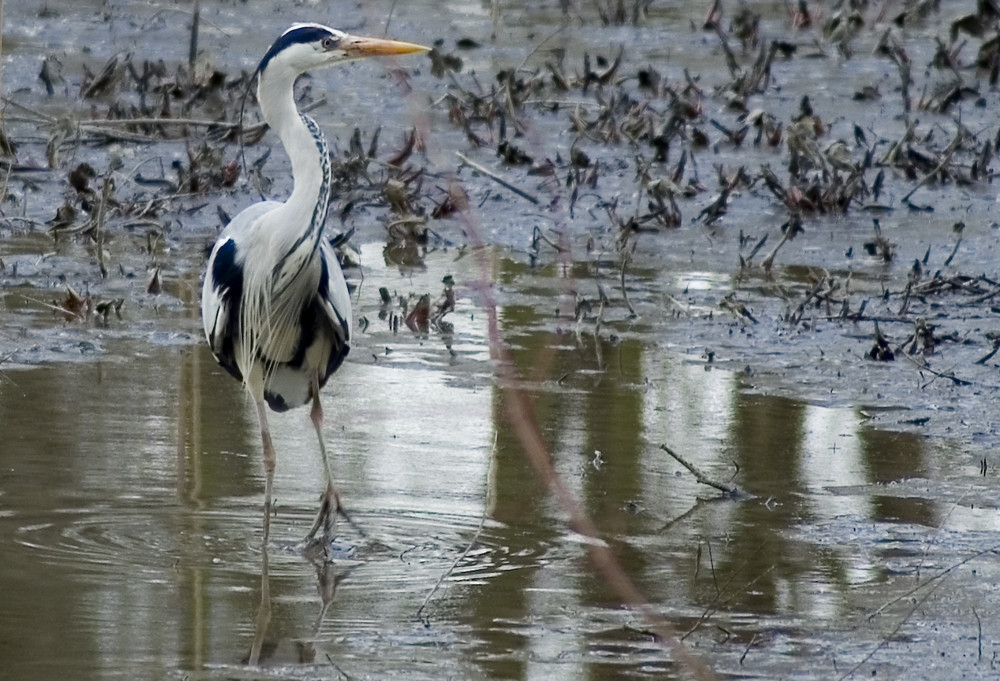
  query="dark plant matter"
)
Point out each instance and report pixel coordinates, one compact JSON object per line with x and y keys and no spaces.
{"x":798,"y":196}
{"x":861,"y":199}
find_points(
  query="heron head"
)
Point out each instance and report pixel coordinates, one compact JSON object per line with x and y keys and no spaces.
{"x":308,"y":46}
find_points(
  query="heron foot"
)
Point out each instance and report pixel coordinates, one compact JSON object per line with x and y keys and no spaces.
{"x":319,"y":551}
{"x":321,"y":535}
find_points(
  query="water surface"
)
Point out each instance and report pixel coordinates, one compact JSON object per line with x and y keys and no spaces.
{"x":130,"y":477}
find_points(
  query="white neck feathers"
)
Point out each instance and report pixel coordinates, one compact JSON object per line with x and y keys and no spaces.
{"x":306,"y":147}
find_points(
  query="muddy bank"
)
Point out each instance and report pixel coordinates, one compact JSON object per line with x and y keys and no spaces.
{"x":761,"y":236}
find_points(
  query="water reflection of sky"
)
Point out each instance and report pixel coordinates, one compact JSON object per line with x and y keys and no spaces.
{"x":165,"y":487}
{"x":130,"y":481}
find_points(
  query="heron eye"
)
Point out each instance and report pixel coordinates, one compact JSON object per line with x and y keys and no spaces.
{"x":330,"y":43}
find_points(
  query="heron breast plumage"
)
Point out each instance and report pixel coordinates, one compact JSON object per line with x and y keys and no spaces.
{"x":275,"y":326}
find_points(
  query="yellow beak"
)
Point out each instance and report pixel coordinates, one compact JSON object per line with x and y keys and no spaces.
{"x":360,"y":46}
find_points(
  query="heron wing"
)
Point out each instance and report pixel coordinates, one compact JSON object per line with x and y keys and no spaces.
{"x":324,"y":329}
{"x":335,"y":300}
{"x":222,"y":291}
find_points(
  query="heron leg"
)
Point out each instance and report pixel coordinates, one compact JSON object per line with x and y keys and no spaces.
{"x":331,"y":500}
{"x":269,"y":465}
{"x":330,"y":506}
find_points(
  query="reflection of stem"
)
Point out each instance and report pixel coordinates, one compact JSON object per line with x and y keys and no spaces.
{"x":451,"y":568}
{"x":686,"y":514}
{"x":598,"y":355}
{"x":947,"y":261}
{"x":263,"y":617}
{"x":537,"y":47}
{"x":537,"y":234}
{"x":475,"y":537}
{"x":189,"y":409}
{"x":930,"y":580}
{"x":949,"y":374}
{"x":725,"y":595}
{"x":945,"y":158}
{"x":892,"y":635}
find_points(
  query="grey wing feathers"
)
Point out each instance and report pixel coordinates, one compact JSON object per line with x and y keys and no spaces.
{"x":323,"y":342}
{"x":322,"y":328}
{"x":222,"y":291}
{"x":336,"y":298}
{"x":221,"y":296}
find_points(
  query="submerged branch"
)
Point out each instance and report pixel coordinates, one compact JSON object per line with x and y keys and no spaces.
{"x":729,"y":490}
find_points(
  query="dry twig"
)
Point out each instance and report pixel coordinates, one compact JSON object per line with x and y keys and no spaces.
{"x":730,"y":490}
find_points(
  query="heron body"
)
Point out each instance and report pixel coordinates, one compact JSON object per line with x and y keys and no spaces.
{"x":275,"y":306}
{"x":277,"y":328}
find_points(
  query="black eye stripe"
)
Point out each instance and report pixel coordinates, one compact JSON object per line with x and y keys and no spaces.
{"x":301,"y":34}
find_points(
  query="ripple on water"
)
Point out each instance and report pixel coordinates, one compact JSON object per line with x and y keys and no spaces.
{"x":99,"y":538}
{"x":400,"y":552}
{"x":408,"y":550}
{"x":121,"y":540}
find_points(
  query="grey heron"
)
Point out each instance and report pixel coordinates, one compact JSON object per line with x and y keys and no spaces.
{"x":275,"y":306}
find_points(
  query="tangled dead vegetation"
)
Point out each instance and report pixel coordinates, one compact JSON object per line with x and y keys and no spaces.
{"x":644,"y":149}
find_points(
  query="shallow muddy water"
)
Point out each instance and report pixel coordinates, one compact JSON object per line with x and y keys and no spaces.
{"x":132,"y":492}
{"x":130,"y":476}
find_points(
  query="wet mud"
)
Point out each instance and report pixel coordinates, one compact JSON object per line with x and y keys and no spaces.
{"x":761,"y":236}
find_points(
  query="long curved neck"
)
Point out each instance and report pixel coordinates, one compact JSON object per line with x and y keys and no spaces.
{"x":306,"y":147}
